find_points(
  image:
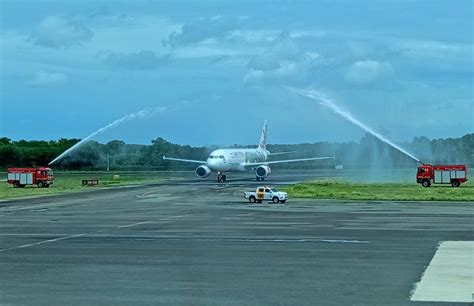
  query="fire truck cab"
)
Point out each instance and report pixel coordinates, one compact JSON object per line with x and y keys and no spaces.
{"x":20,"y":177}
{"x":441,"y":174}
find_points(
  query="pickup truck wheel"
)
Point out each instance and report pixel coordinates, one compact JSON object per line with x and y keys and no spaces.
{"x":276,"y":200}
{"x":455,"y":183}
{"x":425,"y":183}
{"x":40,"y":184}
{"x":252,"y":199}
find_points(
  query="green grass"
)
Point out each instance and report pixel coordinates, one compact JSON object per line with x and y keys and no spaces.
{"x":389,"y":191}
{"x":72,"y":182}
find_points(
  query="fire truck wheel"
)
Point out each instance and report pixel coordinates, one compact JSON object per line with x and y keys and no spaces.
{"x":455,"y":183}
{"x":16,"y":185}
{"x":425,"y":183}
{"x":40,"y":184}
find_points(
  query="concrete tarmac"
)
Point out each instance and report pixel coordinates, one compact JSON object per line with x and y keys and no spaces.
{"x":194,"y":242}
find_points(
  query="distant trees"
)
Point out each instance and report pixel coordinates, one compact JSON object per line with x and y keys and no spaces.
{"x":31,"y":153}
{"x":94,"y":155}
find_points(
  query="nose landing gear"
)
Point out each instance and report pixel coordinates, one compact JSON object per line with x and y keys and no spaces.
{"x":221,"y":177}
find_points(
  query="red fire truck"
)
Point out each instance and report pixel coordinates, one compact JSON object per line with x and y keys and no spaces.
{"x":20,"y":177}
{"x":441,"y":174}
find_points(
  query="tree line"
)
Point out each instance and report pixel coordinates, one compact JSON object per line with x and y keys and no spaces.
{"x":116,"y":154}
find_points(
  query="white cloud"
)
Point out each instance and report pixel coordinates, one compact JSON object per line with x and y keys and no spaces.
{"x":142,"y":60}
{"x":252,"y":36}
{"x":435,"y":49}
{"x":57,"y":31}
{"x":284,"y":60}
{"x":368,"y":71}
{"x":200,"y":30}
{"x":45,"y":78}
{"x":284,"y":71}
{"x":283,"y":48}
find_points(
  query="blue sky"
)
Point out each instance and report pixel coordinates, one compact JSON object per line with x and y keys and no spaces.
{"x":70,"y":67}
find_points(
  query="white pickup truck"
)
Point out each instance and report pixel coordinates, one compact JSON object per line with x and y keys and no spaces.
{"x":266,"y":194}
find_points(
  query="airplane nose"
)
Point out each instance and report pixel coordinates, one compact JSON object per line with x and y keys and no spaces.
{"x":212,"y":163}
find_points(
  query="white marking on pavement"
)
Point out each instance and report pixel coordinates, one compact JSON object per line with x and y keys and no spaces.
{"x":40,"y":205}
{"x":84,"y":234}
{"x":449,"y":276}
{"x":305,"y":240}
{"x":135,"y":224}
{"x":343,"y":241}
{"x":41,"y":242}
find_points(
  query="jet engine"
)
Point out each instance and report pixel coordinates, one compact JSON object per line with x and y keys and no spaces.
{"x":203,"y":171}
{"x":263,"y":172}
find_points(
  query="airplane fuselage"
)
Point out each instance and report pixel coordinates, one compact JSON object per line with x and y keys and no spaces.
{"x":229,"y":160}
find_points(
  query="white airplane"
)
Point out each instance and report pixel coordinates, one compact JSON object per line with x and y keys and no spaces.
{"x":238,"y":160}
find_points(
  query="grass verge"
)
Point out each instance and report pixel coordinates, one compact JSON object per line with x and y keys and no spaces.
{"x":72,"y":182}
{"x":389,"y":191}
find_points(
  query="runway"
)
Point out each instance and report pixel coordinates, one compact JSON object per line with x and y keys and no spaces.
{"x":196,"y":242}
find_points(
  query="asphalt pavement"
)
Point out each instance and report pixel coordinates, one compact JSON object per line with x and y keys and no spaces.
{"x":194,"y":242}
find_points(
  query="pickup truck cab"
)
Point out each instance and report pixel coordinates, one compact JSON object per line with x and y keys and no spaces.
{"x":265,"y":193}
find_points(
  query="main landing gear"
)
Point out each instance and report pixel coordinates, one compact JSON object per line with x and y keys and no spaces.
{"x":259,"y":178}
{"x":221,"y":177}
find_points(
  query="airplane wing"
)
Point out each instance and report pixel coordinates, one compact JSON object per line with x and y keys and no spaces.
{"x":184,"y":160}
{"x":281,"y":153}
{"x":288,"y":161}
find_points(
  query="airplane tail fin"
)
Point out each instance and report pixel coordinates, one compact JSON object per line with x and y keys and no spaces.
{"x":263,"y":138}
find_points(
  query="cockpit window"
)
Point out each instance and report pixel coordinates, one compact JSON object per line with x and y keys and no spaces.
{"x":217,"y":156}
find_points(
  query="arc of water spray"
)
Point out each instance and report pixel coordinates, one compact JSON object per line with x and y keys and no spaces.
{"x":138,"y":114}
{"x":322,"y":100}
